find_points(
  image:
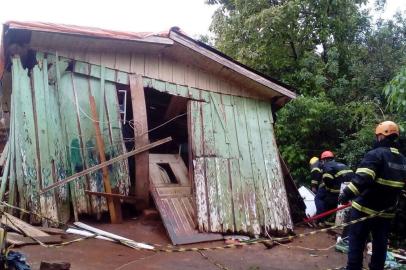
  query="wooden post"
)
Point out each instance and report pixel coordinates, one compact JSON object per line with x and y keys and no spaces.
{"x":113,"y":205}
{"x":141,"y":139}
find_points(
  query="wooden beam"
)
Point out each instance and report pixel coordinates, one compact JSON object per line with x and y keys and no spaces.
{"x":141,"y":138}
{"x":21,"y":226}
{"x":229,"y":64}
{"x":104,"y":164}
{"x":115,"y":213}
{"x":111,"y":195}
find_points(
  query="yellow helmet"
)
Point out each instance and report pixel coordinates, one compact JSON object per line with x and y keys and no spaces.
{"x":387,"y":128}
{"x":313,"y":160}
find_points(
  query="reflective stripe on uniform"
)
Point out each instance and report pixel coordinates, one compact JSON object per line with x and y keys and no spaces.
{"x":394,"y":150}
{"x":369,"y":211}
{"x":322,"y":185}
{"x":332,"y":190}
{"x":315,"y":182}
{"x":391,"y":183}
{"x":327,"y":175}
{"x":315,"y":169}
{"x":366,"y":171}
{"x":354,"y":189}
{"x":343,"y":172}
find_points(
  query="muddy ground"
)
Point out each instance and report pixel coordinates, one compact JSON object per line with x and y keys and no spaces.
{"x":97,"y":254}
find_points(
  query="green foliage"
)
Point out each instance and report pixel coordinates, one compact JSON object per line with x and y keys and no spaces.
{"x":309,"y":125}
{"x":395,"y":91}
{"x":336,"y":58}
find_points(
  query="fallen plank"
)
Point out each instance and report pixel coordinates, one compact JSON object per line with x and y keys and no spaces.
{"x":113,"y":236}
{"x":52,"y":231}
{"x":104,"y":164}
{"x":21,"y":226}
{"x":111,"y":195}
{"x":19,"y":240}
{"x":113,"y":205}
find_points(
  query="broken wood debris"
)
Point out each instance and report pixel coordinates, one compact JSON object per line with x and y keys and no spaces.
{"x":21,"y":226}
{"x":104,"y":164}
{"x":19,"y":240}
{"x":112,"y":195}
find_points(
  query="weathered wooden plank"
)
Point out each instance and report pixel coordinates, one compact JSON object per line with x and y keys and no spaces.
{"x":121,"y":179}
{"x":70,"y":118}
{"x":271,"y":164}
{"x":18,"y":240}
{"x":123,"y":62}
{"x":194,"y":93}
{"x":152,"y":66}
{"x":257,"y":162}
{"x":81,"y":88}
{"x":246,"y":173}
{"x":196,"y":129}
{"x":224,"y":195}
{"x":108,"y":59}
{"x":274,"y":171}
{"x":137,"y":63}
{"x":234,"y":170}
{"x":182,"y":91}
{"x":57,"y":152}
{"x":221,"y":139}
{"x":165,"y":69}
{"x":107,"y":163}
{"x":112,"y":195}
{"x":212,"y":195}
{"x":40,"y":82}
{"x":209,"y":149}
{"x":114,"y":209}
{"x":142,"y":138}
{"x":191,"y":76}
{"x":178,"y":73}
{"x":19,"y":225}
{"x":24,"y":135}
{"x":201,"y":195}
{"x":4,"y":154}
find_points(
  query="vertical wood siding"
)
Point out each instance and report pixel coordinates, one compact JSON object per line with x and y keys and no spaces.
{"x":158,"y":66}
{"x":52,"y":137}
{"x":240,"y":188}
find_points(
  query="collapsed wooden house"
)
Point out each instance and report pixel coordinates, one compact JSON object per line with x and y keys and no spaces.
{"x":221,"y":172}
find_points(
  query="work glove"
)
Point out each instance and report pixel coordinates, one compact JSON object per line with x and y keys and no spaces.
{"x":345,"y":196}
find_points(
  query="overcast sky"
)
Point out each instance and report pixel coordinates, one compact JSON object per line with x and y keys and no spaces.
{"x":192,"y":16}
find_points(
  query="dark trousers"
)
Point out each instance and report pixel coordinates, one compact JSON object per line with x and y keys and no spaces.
{"x":379,"y":228}
{"x":319,"y":200}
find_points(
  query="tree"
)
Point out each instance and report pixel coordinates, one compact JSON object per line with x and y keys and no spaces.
{"x":331,"y":53}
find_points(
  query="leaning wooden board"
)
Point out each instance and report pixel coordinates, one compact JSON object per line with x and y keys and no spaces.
{"x":174,"y":201}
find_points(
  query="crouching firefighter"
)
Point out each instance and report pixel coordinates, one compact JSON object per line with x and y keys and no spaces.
{"x":375,"y":187}
{"x":334,"y":174}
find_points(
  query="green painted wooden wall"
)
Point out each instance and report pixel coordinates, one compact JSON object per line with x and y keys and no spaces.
{"x":52,"y":136}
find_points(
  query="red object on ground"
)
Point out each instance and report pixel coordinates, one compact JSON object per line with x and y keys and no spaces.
{"x":329,"y":212}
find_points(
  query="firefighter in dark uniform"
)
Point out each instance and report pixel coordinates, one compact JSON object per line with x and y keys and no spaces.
{"x":317,"y":185}
{"x":375,"y":187}
{"x":334,"y":173}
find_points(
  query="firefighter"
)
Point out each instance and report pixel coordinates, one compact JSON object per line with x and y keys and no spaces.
{"x":375,"y":187}
{"x":317,"y":185}
{"x":334,"y":173}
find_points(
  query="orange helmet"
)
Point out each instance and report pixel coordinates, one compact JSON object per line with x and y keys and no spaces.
{"x":326,"y":154}
{"x":387,"y":128}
